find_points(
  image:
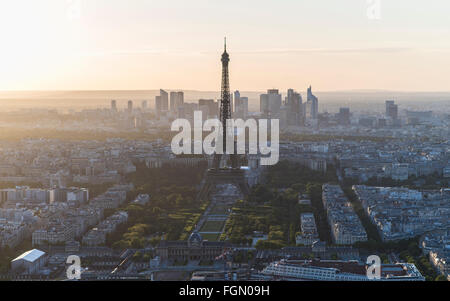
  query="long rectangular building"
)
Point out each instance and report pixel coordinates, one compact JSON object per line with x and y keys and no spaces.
{"x":346,"y":228}
{"x":336,"y":270}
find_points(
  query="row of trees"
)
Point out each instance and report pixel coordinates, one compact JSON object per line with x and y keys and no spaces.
{"x":371,"y":230}
{"x":7,"y":254}
{"x":172,"y":206}
{"x":432,"y":181}
{"x":423,"y":264}
{"x":273,"y":208}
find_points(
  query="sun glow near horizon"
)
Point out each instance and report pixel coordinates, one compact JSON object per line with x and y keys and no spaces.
{"x":114,"y":45}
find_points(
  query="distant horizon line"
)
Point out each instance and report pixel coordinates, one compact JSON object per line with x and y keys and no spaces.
{"x":218,"y":91}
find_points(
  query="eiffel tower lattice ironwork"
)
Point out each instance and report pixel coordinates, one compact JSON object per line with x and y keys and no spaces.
{"x":225,"y":174}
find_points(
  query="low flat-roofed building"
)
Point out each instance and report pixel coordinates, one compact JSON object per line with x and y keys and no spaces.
{"x":338,"y":270}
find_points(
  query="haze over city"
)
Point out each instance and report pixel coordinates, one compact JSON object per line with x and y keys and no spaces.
{"x":262,"y":143}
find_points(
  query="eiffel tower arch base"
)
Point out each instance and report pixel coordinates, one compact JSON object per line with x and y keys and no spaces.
{"x":216,"y":177}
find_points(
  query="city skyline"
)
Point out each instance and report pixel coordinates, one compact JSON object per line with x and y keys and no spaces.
{"x":113,"y":45}
{"x":259,"y":142}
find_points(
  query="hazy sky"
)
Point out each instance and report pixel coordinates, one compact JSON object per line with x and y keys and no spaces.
{"x":176,"y":44}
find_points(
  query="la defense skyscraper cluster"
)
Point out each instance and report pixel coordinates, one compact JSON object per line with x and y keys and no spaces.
{"x":291,"y":112}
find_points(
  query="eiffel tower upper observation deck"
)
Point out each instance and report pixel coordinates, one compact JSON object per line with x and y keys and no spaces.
{"x":222,"y":172}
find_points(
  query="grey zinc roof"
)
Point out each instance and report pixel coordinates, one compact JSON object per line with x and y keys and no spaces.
{"x":31,"y":255}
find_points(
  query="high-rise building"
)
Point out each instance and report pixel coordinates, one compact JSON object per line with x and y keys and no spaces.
{"x":176,"y":100}
{"x":344,"y":116}
{"x":209,"y":107}
{"x":270,"y":103}
{"x":243,"y":107}
{"x":144,"y":105}
{"x":237,"y":95}
{"x":113,"y":105}
{"x":382,"y":123}
{"x":294,"y":103}
{"x":130,"y":106}
{"x":274,"y":101}
{"x":187,"y":111}
{"x":391,"y":109}
{"x":180,"y":99}
{"x":264,"y":104}
{"x":158,"y":106}
{"x":164,"y":100}
{"x":240,"y":105}
{"x":312,"y":105}
{"x":173,"y":100}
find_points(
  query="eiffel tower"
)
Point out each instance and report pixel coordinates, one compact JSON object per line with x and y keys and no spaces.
{"x":222,"y":172}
